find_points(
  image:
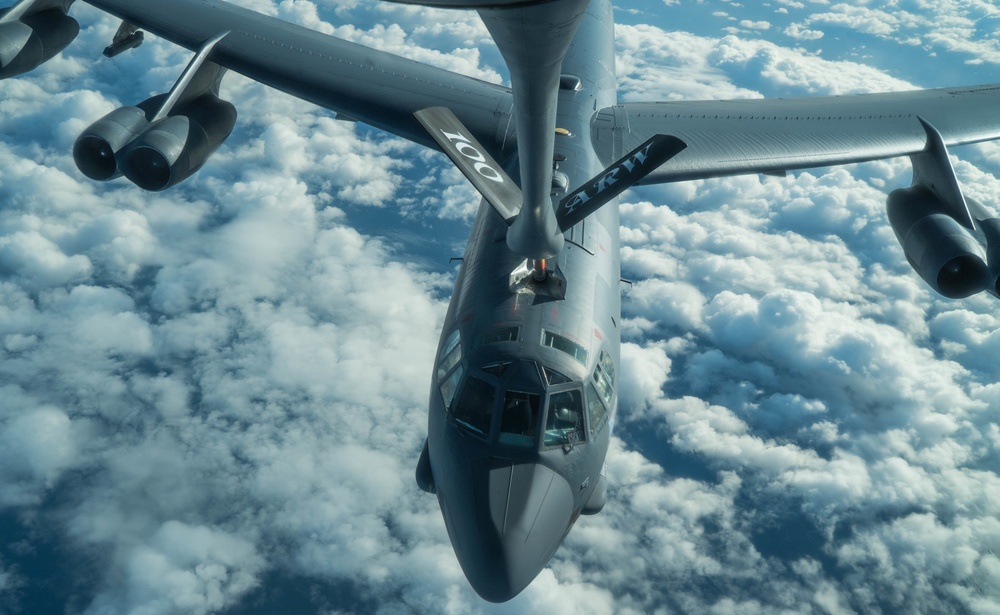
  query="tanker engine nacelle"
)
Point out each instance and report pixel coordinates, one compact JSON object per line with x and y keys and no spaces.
{"x":30,"y":40}
{"x":154,"y":154}
{"x":947,"y":255}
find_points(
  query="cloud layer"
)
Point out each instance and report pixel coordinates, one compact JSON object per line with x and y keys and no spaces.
{"x":213,"y":398}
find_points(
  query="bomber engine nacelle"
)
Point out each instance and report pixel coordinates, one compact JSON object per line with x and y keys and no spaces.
{"x":171,"y":150}
{"x":946,"y":254}
{"x":32,"y":39}
{"x":154,"y":155}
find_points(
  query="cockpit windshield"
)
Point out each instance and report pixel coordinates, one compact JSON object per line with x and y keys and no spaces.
{"x":519,"y":421}
{"x":531,"y":413}
{"x":474,"y":408}
{"x":564,"y":422}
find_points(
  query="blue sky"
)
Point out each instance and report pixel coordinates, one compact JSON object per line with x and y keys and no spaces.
{"x":213,"y":398}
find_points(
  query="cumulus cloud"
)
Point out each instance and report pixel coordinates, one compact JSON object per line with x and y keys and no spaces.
{"x":853,"y":405}
{"x":183,"y":569}
{"x":798,"y":32}
{"x":658,"y":64}
{"x":957,"y":27}
{"x":213,"y":397}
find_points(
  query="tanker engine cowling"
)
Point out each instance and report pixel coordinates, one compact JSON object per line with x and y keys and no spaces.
{"x":947,"y":255}
{"x":27,"y":42}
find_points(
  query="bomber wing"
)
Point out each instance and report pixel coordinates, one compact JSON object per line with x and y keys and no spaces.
{"x":734,"y":137}
{"x":363,"y":84}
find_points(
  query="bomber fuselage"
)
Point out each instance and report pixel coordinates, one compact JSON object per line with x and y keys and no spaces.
{"x":523,"y":395}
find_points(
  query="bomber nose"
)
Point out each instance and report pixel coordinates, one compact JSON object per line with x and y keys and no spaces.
{"x":526,"y":513}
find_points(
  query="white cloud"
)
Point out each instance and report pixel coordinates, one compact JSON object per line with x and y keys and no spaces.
{"x":755,"y":25}
{"x":798,"y":32}
{"x":183,"y":569}
{"x":644,"y":370}
{"x":957,"y":27}
{"x":36,"y":445}
{"x":654,"y":64}
{"x":224,"y":384}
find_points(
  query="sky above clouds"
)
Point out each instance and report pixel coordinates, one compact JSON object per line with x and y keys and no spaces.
{"x":212,"y":399}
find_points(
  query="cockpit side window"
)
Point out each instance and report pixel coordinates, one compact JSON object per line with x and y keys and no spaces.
{"x":449,"y":386}
{"x":453,"y":340}
{"x":564,"y":421}
{"x":519,"y":421}
{"x":495,"y":336}
{"x":474,"y":408}
{"x":451,"y":353}
{"x":608,"y":366}
{"x":559,"y":342}
{"x":604,"y":378}
{"x":596,"y":411}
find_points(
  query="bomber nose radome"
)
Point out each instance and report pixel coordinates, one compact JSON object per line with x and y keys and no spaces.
{"x":530,"y":507}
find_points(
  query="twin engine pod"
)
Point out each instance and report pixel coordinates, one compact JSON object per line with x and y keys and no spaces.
{"x":954,"y":260}
{"x":154,"y":154}
{"x":30,"y":40}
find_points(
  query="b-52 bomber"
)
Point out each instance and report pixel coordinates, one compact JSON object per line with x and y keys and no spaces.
{"x":523,"y":395}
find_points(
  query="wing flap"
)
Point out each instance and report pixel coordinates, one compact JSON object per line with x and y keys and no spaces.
{"x":776,"y":135}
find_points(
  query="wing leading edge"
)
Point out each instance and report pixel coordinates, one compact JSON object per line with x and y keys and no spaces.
{"x":775,"y":135}
{"x":363,"y":84}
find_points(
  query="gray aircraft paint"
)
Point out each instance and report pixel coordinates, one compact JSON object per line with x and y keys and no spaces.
{"x":501,"y":561}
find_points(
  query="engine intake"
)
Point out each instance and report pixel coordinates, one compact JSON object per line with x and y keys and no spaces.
{"x":97,"y":149}
{"x":34,"y":39}
{"x":947,"y":255}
